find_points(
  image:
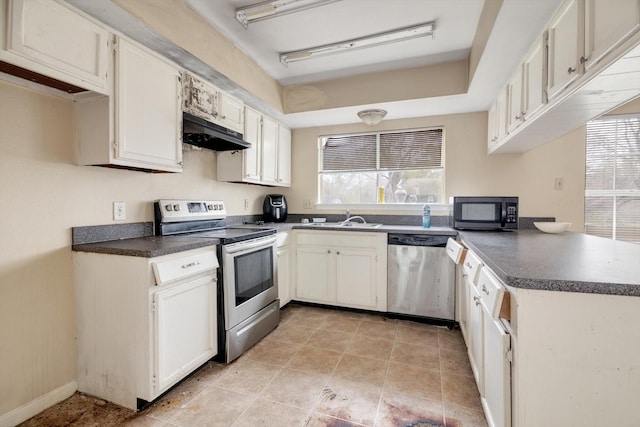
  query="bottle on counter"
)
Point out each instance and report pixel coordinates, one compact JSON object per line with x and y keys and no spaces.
{"x":426,"y":216}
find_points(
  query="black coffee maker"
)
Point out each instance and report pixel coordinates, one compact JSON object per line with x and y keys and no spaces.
{"x":274,"y":208}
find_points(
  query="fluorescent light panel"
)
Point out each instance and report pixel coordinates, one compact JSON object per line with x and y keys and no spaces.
{"x":407,"y":33}
{"x":272,"y":9}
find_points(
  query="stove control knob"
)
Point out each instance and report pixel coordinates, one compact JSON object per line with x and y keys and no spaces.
{"x":168,"y":207}
{"x":176,"y":208}
{"x":220,"y":207}
{"x":209,"y":207}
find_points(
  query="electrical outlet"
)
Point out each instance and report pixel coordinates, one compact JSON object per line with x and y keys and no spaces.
{"x":559,"y":184}
{"x":119,"y":211}
{"x":307,"y":204}
{"x":246,"y":205}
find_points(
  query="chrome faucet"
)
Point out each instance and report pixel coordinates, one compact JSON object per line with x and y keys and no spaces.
{"x":348,"y":215}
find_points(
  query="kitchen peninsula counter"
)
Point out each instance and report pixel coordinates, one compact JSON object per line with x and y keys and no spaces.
{"x":566,"y":262}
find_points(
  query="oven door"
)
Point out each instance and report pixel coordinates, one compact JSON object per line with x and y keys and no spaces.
{"x":248,"y":278}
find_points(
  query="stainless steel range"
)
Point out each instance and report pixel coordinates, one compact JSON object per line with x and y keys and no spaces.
{"x":248,"y":306}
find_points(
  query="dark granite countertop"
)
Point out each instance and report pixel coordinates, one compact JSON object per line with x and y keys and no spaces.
{"x":566,"y":262}
{"x":148,"y":247}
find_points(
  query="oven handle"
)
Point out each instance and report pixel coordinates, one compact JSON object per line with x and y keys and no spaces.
{"x":249,"y":245}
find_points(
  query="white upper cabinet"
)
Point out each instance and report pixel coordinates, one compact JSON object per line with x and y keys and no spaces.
{"x":269,"y":151}
{"x":48,"y":38}
{"x":140,"y":125}
{"x":535,"y":79}
{"x":566,"y":44}
{"x":284,"y":156}
{"x":580,"y":67}
{"x":497,"y":126}
{"x":607,"y":23}
{"x":230,"y":112}
{"x":515,"y":107}
{"x":149,"y":117}
{"x":267,"y":161}
{"x":206,"y":101}
{"x":252,"y":155}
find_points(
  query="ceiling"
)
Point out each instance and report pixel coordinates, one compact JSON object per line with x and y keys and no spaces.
{"x":518,"y":23}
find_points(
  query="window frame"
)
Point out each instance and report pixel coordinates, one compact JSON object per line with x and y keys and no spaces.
{"x":435,"y":207}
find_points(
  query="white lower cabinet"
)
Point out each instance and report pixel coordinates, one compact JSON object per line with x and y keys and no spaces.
{"x":284,"y":269}
{"x":138,"y":336}
{"x":184,"y":329}
{"x":487,"y":339}
{"x":476,"y":336}
{"x":346,"y":269}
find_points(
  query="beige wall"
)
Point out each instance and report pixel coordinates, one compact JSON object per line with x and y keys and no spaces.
{"x":469,"y":170}
{"x":43,"y":195}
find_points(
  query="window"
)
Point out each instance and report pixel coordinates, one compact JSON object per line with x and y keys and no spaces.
{"x":612,"y":194}
{"x":407,"y":164}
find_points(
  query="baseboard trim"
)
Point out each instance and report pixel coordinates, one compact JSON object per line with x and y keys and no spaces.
{"x":38,"y":405}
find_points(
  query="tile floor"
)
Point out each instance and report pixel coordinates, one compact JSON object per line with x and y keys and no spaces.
{"x":320,"y":367}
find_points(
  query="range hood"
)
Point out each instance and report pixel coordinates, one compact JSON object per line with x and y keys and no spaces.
{"x":200,"y":132}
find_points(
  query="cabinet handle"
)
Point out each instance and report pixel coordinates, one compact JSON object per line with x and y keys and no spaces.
{"x":477,"y":300}
{"x":338,"y":253}
{"x":191,"y":264}
{"x":583,"y":59}
{"x":519,"y":116}
{"x":571,"y":70}
{"x":484,"y":289}
{"x":223,"y":117}
{"x":328,"y":251}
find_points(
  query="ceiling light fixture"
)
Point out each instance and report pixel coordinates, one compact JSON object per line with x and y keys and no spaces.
{"x":271,"y":9}
{"x":372,"y":117}
{"x":402,"y":34}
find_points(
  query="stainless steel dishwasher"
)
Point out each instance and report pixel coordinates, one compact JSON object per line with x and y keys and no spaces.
{"x":420,"y":276}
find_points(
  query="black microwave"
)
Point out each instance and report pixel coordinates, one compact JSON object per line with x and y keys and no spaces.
{"x":485,"y":213}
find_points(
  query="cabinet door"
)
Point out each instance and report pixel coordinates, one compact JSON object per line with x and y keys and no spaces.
{"x":269,"y":151}
{"x":284,"y":156}
{"x":476,"y":334}
{"x":230,"y":112}
{"x":61,"y":43}
{"x":535,"y":80}
{"x":497,"y":374}
{"x":252,"y":155}
{"x":566,"y":45}
{"x":148,"y":110}
{"x":184,"y":330}
{"x":515,"y":105}
{"x":199,"y":98}
{"x":502,"y":108}
{"x":492,"y":125}
{"x":313,"y":272}
{"x":463,"y":302}
{"x":356,"y":282}
{"x":607,"y":23}
{"x":284,"y":282}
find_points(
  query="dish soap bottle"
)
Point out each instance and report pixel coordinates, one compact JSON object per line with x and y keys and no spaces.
{"x":426,"y":216}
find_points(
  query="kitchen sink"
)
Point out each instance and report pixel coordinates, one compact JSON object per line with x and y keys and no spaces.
{"x":347,"y":225}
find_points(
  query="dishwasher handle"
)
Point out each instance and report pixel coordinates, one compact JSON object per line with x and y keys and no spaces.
{"x":432,"y":240}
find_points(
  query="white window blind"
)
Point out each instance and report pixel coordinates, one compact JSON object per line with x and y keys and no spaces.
{"x":406,"y":164}
{"x":417,"y":149}
{"x":612,"y":188}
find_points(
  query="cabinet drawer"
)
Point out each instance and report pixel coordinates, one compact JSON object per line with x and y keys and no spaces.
{"x":184,"y":266}
{"x":471,"y":267}
{"x":491,"y":292}
{"x":456,"y":251}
